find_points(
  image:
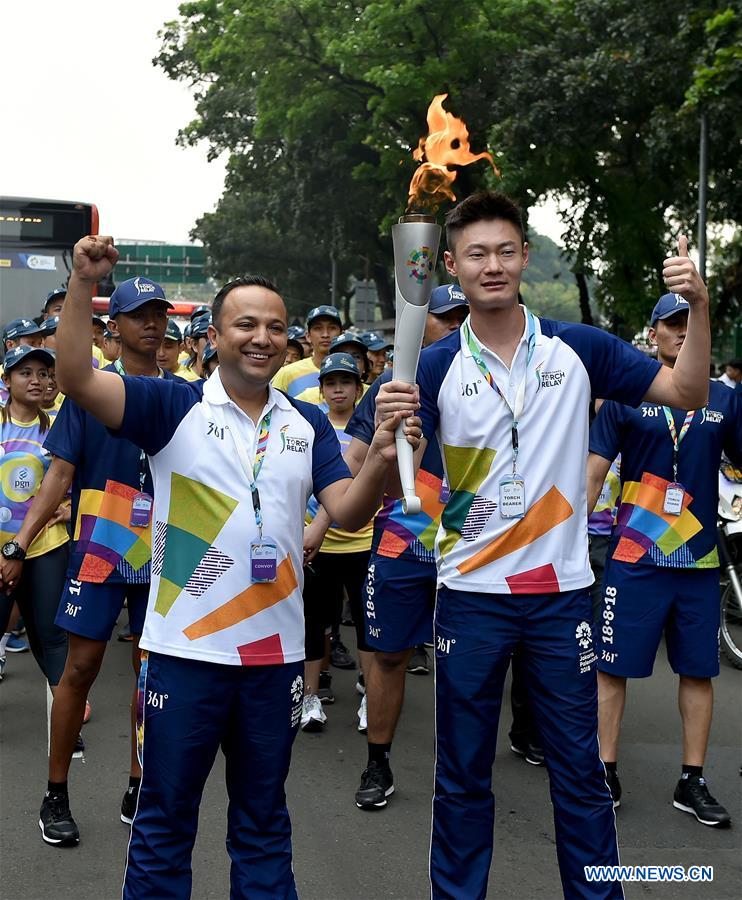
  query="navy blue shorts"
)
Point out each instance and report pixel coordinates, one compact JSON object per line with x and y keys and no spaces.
{"x":399,"y":603}
{"x":91,"y":610}
{"x":642,"y":602}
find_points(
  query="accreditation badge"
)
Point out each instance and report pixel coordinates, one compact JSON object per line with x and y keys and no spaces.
{"x":674,"y":496}
{"x":263,"y":560}
{"x":512,"y":497}
{"x":141,"y":510}
{"x":444,"y":495}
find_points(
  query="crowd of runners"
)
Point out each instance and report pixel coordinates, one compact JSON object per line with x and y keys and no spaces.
{"x":234,"y":487}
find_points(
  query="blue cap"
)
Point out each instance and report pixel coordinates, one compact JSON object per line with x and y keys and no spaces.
{"x":172,"y":332}
{"x":49,"y":326}
{"x":187,"y":331}
{"x":18,"y":354}
{"x":347,"y":338}
{"x":667,"y":306}
{"x":132,"y":294}
{"x":446,"y":297}
{"x":200,"y":325}
{"x":208,"y":354}
{"x":199,"y":311}
{"x":52,"y":295}
{"x":98,"y":321}
{"x":374,"y":341}
{"x":111,"y":334}
{"x":20,"y":328}
{"x":295,"y":332}
{"x":328,"y":312}
{"x":339,"y":362}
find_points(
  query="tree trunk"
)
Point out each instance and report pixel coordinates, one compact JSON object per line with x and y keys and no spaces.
{"x":585,"y":311}
{"x":384,"y":289}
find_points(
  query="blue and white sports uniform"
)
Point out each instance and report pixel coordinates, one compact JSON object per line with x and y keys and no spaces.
{"x":662,"y":570}
{"x":224,"y":660}
{"x":110,"y":558}
{"x":504,"y":582}
{"x":401,"y":582}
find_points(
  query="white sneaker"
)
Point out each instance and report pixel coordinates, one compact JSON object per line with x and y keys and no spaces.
{"x":313,"y":717}
{"x":362,"y":716}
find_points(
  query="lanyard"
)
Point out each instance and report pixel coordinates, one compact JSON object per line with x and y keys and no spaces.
{"x":264,"y":428}
{"x":143,"y":465}
{"x":677,"y":438}
{"x":520,"y":394}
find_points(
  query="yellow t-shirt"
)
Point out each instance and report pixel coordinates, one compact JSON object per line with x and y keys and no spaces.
{"x":297,"y":377}
{"x":99,"y":357}
{"x":187,"y":374}
{"x":23,"y":464}
{"x":184,"y":357}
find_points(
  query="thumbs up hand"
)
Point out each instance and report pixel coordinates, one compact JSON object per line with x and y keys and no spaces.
{"x":681,"y":276}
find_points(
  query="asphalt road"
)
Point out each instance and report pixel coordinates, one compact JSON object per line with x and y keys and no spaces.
{"x":341,"y":853}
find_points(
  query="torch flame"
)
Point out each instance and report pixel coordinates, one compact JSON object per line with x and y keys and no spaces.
{"x":447,"y":144}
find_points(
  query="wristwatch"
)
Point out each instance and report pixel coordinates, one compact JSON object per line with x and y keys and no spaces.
{"x":13,"y":550}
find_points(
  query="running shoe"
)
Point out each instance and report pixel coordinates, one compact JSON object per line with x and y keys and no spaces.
{"x":56,"y":822}
{"x":361,"y":685}
{"x":2,"y":667}
{"x":16,"y":644}
{"x":325,"y":688}
{"x":79,"y":750}
{"x":529,"y":752}
{"x":614,"y":786}
{"x":313,"y":717}
{"x":362,"y":716}
{"x":419,"y":663}
{"x":340,"y":657}
{"x":692,"y":796}
{"x":129,"y":805}
{"x":125,"y":635}
{"x":377,"y":783}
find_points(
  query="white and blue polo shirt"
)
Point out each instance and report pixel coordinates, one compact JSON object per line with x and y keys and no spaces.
{"x":545,"y":551}
{"x":203,"y":604}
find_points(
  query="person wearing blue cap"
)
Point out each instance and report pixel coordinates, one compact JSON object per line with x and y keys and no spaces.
{"x":48,"y":332}
{"x":209,"y":360}
{"x":24,"y":424}
{"x":199,"y":339}
{"x":338,"y":558}
{"x":111,"y":345}
{"x":18,"y":333}
{"x":168,"y":355}
{"x":662,"y":567}
{"x":233,"y":460}
{"x":110,"y":556}
{"x":377,"y":347}
{"x":345,"y":342}
{"x":54,"y":302}
{"x":323,"y":324}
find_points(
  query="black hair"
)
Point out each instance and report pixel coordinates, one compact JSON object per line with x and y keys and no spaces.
{"x":241,"y":281}
{"x":482,"y":206}
{"x":44,"y":420}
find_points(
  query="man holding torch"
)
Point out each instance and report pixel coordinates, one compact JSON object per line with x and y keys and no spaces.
{"x":233,"y":463}
{"x":507,"y":399}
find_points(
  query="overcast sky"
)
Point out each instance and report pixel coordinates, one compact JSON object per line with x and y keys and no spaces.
{"x":86,"y":116}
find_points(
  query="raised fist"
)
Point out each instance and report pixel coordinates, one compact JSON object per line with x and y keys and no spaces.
{"x":94,"y":257}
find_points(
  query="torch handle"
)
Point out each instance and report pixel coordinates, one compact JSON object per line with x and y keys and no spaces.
{"x":410,"y":327}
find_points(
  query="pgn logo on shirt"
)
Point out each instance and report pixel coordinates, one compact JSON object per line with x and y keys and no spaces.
{"x":552,"y":379}
{"x":293,"y":444}
{"x":22,"y":479}
{"x":587,"y":654}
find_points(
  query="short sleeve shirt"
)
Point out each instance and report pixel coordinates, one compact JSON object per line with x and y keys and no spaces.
{"x":203,"y":604}
{"x":545,"y":551}
{"x":644,"y":533}
{"x":397,"y":536}
{"x":106,"y":548}
{"x":602,"y":517}
{"x":297,"y":377}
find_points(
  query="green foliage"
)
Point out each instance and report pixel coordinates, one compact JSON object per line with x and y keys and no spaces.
{"x":319,"y":103}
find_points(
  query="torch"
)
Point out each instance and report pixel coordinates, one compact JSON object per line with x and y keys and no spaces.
{"x":416,"y":238}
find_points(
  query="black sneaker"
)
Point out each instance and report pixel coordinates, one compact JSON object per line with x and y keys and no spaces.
{"x":692,"y":796}
{"x":377,"y":783}
{"x":529,"y":752}
{"x":325,"y":688}
{"x":614,"y":786}
{"x":419,"y":663}
{"x":129,"y":805}
{"x":339,"y":656}
{"x":56,"y":822}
